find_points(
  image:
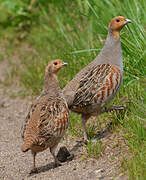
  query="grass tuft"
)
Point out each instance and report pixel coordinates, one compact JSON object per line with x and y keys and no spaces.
{"x":95,"y":150}
{"x":75,"y":31}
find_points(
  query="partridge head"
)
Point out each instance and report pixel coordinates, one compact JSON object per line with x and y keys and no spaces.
{"x":117,"y":24}
{"x":51,"y":76}
{"x":54,"y":66}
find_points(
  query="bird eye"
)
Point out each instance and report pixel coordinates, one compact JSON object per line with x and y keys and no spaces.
{"x":55,"y":63}
{"x":117,"y":20}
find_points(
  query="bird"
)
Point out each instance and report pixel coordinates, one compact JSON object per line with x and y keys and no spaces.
{"x":97,"y":83}
{"x":48,"y":117}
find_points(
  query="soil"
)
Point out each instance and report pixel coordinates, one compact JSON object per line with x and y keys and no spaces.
{"x":16,"y":165}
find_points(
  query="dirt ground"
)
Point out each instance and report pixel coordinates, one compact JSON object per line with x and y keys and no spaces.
{"x":15,"y":165}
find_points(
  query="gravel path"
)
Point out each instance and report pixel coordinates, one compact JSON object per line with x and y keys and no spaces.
{"x":15,"y":165}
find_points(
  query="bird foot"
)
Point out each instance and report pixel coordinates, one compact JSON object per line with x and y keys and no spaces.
{"x":34,"y":170}
{"x":83,"y":140}
{"x":112,"y":108}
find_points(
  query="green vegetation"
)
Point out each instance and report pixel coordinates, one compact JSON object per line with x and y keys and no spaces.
{"x":34,"y":32}
{"x":95,"y":149}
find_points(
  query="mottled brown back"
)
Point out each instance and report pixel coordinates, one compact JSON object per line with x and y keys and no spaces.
{"x":46,"y":122}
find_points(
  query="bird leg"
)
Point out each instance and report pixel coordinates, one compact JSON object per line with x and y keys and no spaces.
{"x":112,"y":108}
{"x":84,"y":120}
{"x":34,"y":169}
{"x":57,"y":162}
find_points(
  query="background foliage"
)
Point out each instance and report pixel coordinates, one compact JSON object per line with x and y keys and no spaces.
{"x":37,"y":31}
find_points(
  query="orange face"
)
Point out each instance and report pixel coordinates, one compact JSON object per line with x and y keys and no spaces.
{"x":118,"y":23}
{"x":55,"y":65}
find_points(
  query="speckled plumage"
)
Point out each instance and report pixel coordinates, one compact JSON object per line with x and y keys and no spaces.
{"x":48,"y":117}
{"x":46,"y":122}
{"x":96,"y":89}
{"x":97,"y":84}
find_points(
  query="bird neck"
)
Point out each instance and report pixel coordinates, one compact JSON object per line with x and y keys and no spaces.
{"x":114,"y":33}
{"x":51,"y":83}
{"x":111,"y":52}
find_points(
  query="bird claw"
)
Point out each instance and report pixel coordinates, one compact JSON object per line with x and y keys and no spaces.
{"x":112,"y":108}
{"x":34,"y":170}
{"x":83,"y":140}
{"x":121,"y":107}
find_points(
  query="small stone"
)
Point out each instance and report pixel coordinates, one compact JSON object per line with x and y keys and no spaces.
{"x":64,"y":155}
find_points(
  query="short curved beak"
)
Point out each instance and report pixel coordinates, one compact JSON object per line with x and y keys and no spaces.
{"x":127,"y":21}
{"x":64,"y":64}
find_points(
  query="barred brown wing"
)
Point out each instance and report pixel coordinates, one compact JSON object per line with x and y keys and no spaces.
{"x":97,"y":86}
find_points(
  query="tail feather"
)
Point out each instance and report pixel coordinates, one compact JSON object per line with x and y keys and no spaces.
{"x":25,"y":147}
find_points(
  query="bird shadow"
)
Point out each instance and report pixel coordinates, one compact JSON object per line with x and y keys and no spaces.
{"x":44,"y":168}
{"x":47,"y":167}
{"x":98,"y":136}
{"x":75,"y":148}
{"x":50,"y":166}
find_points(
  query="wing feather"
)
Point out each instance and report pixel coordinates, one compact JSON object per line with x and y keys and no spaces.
{"x":94,"y":85}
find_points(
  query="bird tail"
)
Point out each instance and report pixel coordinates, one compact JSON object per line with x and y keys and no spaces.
{"x":25,"y":147}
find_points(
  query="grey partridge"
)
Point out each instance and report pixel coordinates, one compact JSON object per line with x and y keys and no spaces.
{"x":48,"y":117}
{"x":98,"y":83}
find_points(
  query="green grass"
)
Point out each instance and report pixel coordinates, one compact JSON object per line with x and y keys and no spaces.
{"x":38,"y":31}
{"x":135,"y":134}
{"x":95,"y":150}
